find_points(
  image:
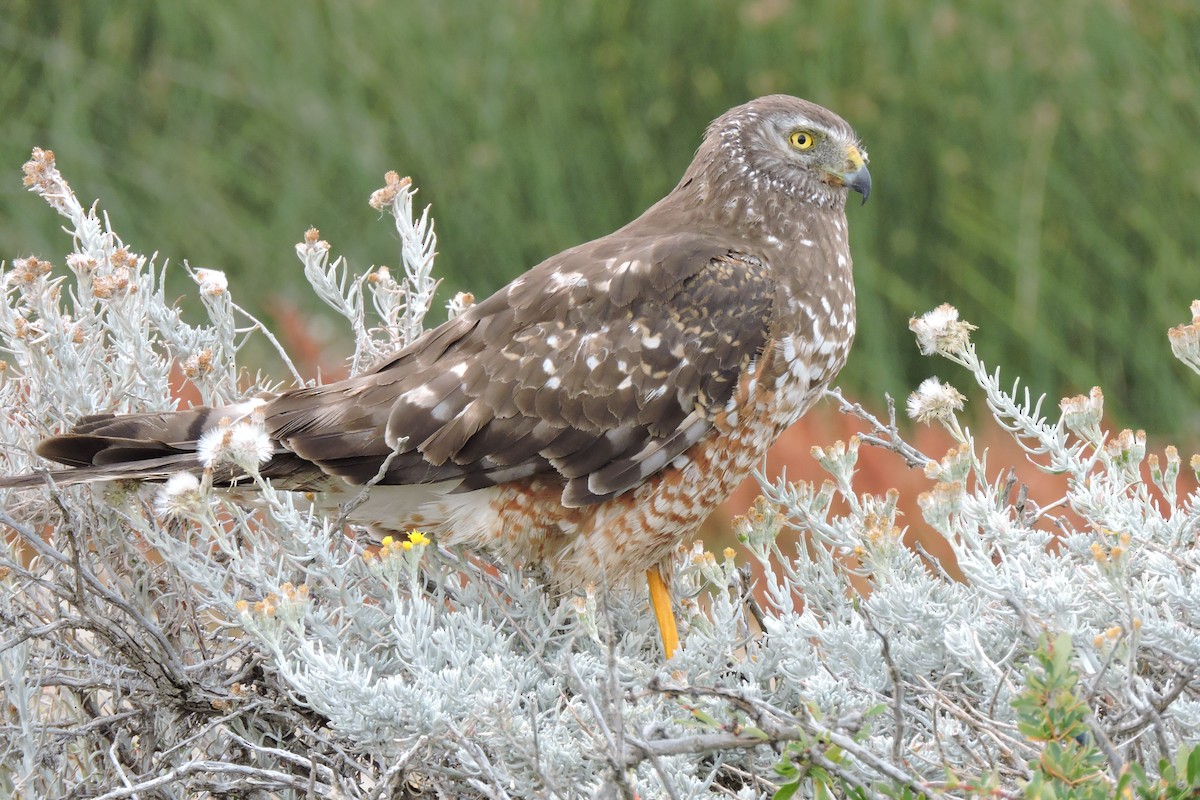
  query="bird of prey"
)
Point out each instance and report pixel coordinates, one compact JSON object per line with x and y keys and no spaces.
{"x":591,"y":414}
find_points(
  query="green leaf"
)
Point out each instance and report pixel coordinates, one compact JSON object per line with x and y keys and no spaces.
{"x":757,"y":733}
{"x":1193,"y":767}
{"x":786,"y":791}
{"x":1061,"y":652}
{"x":705,"y":718}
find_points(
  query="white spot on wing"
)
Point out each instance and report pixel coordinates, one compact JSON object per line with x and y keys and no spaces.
{"x":789,"y":348}
{"x":420,"y":396}
{"x":443,"y":411}
{"x":567,"y":279}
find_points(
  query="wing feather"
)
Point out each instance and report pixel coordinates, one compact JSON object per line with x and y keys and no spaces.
{"x":602,"y":365}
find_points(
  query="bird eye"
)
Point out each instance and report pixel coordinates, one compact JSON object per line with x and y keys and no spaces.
{"x":802,"y":140}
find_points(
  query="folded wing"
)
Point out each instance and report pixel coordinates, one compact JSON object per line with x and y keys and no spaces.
{"x":601,"y":365}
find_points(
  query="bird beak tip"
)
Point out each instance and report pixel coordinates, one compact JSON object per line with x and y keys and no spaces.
{"x":859,"y":181}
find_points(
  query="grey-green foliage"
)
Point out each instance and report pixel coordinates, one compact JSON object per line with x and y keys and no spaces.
{"x":176,"y":641}
{"x":1035,"y":163}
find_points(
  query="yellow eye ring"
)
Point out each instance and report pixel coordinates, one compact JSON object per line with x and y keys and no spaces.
{"x":802,"y":140}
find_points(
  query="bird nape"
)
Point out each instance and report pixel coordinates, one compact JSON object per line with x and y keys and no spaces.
{"x":591,"y":414}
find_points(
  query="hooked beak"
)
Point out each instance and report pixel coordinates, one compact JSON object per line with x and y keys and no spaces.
{"x":860,"y":181}
{"x":857,"y":177}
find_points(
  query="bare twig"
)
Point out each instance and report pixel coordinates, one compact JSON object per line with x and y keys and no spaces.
{"x":881,"y":435}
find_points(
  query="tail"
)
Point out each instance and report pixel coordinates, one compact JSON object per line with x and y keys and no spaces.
{"x":107,"y":447}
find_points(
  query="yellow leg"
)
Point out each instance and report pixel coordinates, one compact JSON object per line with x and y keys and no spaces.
{"x":660,"y":601}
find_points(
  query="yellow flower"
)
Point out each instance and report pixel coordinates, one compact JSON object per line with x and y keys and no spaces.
{"x":416,"y":537}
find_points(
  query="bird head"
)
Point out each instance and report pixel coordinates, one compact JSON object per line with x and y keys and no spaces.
{"x":784,"y":143}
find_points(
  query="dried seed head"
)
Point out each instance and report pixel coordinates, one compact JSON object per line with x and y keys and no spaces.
{"x":934,"y":401}
{"x":81,"y":264}
{"x":212,"y":282}
{"x":27,"y":271}
{"x":380,"y":275}
{"x":181,"y":496}
{"x":198,"y":365}
{"x":123,"y":259}
{"x":40,"y":172}
{"x":460,"y":303}
{"x":249,"y":445}
{"x":941,"y":331}
{"x":106,"y":287}
{"x":394,"y":184}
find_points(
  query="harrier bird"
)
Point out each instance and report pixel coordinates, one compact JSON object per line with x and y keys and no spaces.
{"x":591,"y":414}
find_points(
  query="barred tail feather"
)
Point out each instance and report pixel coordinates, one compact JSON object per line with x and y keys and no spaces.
{"x":105,"y":447}
{"x":146,"y":469}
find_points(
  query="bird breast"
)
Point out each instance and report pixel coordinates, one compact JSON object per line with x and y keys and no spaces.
{"x":816,"y":323}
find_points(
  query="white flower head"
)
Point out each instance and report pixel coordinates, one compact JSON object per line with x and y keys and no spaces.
{"x":249,"y":445}
{"x":1082,"y":414}
{"x":954,"y":467}
{"x":940,"y":503}
{"x":244,"y":443}
{"x":211,"y":447}
{"x":81,"y":263}
{"x":212,"y":282}
{"x":180,"y":496}
{"x":1185,"y":339}
{"x":941,"y":331}
{"x":460,"y":303}
{"x":1127,"y":447}
{"x":934,"y":401}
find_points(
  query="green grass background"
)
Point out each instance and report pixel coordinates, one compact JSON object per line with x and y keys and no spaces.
{"x":1036,"y":164}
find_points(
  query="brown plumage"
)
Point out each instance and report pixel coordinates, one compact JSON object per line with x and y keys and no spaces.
{"x":593,"y":412}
